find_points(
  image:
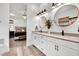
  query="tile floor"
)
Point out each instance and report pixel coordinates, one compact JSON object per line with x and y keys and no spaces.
{"x":19,"y":48}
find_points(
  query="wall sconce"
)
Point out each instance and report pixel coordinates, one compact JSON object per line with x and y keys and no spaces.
{"x":44,"y":10}
{"x":41,"y":12}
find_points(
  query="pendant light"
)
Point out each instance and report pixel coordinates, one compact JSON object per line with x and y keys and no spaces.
{"x":24,"y":14}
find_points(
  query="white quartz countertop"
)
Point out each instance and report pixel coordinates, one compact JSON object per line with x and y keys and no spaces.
{"x":58,"y":36}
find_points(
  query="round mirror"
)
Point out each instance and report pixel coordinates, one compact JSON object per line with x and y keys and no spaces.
{"x":66,"y":15}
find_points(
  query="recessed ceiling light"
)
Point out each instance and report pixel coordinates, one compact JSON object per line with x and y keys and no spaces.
{"x":37,"y":17}
{"x":11,"y":14}
{"x":53,"y":7}
{"x":59,"y":4}
{"x":24,"y":16}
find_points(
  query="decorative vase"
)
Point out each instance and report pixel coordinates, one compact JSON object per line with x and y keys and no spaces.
{"x":48,"y":31}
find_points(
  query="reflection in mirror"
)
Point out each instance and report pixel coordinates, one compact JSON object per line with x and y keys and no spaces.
{"x":46,"y":22}
{"x":42,"y":21}
{"x":66,"y":15}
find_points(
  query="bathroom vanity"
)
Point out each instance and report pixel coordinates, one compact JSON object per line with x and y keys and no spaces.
{"x":55,"y":44}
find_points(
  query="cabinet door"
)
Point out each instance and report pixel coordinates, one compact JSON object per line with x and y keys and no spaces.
{"x":68,"y":52}
{"x":43,"y":44}
{"x":34,"y":38}
{"x":59,"y":50}
{"x":65,"y":51}
{"x":51,"y":49}
{"x":37,"y":41}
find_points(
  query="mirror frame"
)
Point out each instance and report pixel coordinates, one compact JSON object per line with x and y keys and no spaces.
{"x":67,"y":17}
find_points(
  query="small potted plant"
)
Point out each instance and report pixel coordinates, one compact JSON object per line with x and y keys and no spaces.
{"x":48,"y":24}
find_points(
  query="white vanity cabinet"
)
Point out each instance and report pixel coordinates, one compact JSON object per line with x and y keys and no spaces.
{"x":52,"y":46}
{"x":36,"y":40}
{"x":63,"y":48}
{"x":44,"y":45}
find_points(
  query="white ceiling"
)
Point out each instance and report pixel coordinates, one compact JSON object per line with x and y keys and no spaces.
{"x":35,"y":8}
{"x":17,"y":9}
{"x":40,"y":6}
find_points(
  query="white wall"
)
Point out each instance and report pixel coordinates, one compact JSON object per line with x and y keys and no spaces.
{"x":16,"y":12}
{"x":17,"y":23}
{"x":31,"y":23}
{"x":4,"y":27}
{"x":20,"y":22}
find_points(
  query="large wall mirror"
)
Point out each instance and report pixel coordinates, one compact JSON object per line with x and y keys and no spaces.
{"x":66,"y":15}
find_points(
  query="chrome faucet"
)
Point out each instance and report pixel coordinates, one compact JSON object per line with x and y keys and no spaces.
{"x":62,"y":32}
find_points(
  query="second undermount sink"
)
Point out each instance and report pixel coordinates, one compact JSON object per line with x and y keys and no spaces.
{"x":52,"y":33}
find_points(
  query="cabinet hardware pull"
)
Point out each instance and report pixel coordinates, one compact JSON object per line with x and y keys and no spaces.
{"x":57,"y":48}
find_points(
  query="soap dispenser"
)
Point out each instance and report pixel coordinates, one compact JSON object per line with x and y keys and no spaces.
{"x":36,"y":28}
{"x":62,"y":32}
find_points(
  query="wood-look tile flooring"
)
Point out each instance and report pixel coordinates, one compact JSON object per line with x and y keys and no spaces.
{"x":19,"y":48}
{"x":17,"y":43}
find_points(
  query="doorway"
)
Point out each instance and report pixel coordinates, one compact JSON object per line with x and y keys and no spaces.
{"x":17,"y":25}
